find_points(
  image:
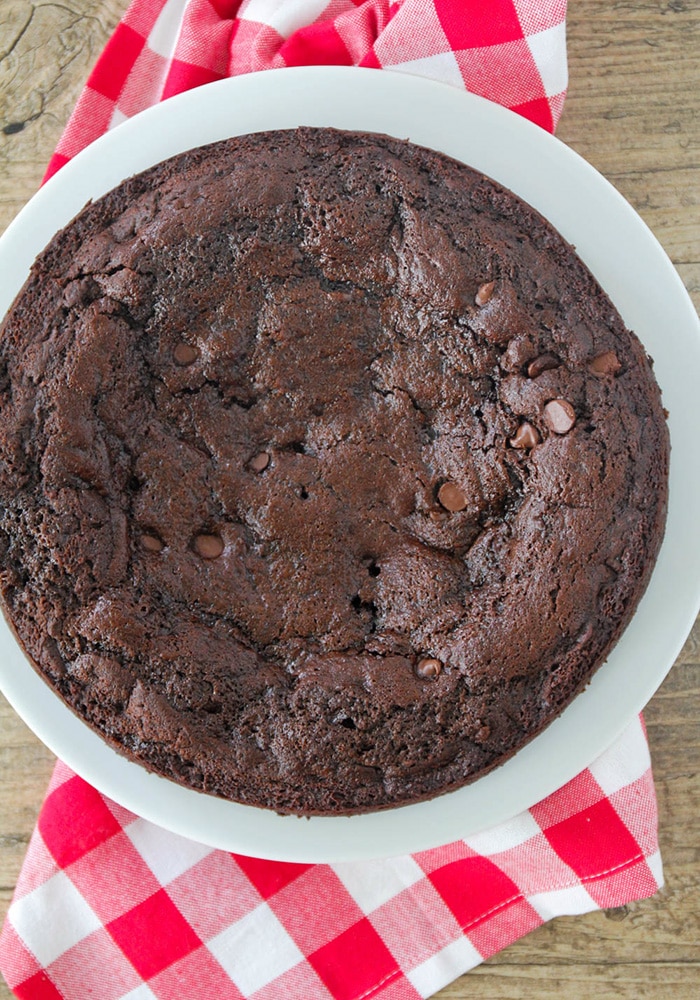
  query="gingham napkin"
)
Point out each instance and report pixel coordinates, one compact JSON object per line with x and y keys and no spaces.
{"x":112,"y":907}
{"x":511,"y":51}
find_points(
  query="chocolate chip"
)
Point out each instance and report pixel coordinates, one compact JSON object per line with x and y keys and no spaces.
{"x":484,"y":293}
{"x":152,"y":543}
{"x":208,"y":546}
{"x":260,"y":462}
{"x":604,"y":364}
{"x":543,"y":363}
{"x":559,"y":415}
{"x":428,"y":667}
{"x":185,"y":354}
{"x":526,"y":436}
{"x":451,"y":497}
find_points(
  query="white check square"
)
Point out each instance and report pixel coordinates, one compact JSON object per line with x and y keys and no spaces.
{"x":568,"y":902}
{"x":442,"y":968}
{"x":504,"y":837}
{"x":142,"y":992}
{"x":443,"y":67}
{"x":167,"y":854}
{"x":548,"y":49}
{"x":56,"y":904}
{"x":237,"y":949}
{"x":657,"y":868}
{"x":285,"y":16}
{"x":372,"y":883}
{"x":624,"y":762}
{"x":164,"y":33}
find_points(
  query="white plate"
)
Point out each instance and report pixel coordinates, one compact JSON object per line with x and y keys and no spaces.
{"x":635,"y":272}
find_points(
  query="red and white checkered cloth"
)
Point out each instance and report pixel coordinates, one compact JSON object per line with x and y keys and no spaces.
{"x":511,"y":51}
{"x":112,"y":907}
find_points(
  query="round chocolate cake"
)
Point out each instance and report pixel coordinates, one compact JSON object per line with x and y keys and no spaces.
{"x":328,"y":473}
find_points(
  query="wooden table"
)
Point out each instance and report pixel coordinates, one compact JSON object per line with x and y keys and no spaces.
{"x":633,"y":111}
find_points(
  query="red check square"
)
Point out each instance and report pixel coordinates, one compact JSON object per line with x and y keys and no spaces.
{"x":538,"y":111}
{"x":535,"y":16}
{"x":479,"y":25}
{"x":142,"y":17}
{"x":269,"y":877}
{"x":120,"y":54}
{"x":593,"y":841}
{"x":91,"y":822}
{"x":473,"y":888}
{"x":354,"y":962}
{"x":39,"y":987}
{"x":154,"y":935}
{"x":186,"y":76}
{"x":634,"y":880}
{"x":431,"y":921}
{"x":318,"y":44}
{"x":254,"y":47}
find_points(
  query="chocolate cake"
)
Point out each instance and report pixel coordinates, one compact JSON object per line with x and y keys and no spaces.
{"x":328,"y":473}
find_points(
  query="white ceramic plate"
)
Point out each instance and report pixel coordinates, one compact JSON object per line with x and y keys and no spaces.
{"x":632,"y":268}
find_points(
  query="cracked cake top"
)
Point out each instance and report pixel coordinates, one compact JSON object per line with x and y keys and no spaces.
{"x":328,"y":473}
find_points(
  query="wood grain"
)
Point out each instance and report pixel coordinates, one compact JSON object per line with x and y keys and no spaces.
{"x":633,"y":111}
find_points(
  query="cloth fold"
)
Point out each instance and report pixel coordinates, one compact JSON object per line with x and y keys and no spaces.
{"x":109,"y":905}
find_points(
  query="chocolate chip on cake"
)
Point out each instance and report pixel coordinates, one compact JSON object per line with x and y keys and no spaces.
{"x":451,"y":497}
{"x":208,"y":546}
{"x":544,"y":363}
{"x":526,"y":436}
{"x":604,"y":364}
{"x":428,"y":667}
{"x":185,"y":354}
{"x":260,"y":462}
{"x":559,"y":416}
{"x":151,"y":543}
{"x":484,"y":293}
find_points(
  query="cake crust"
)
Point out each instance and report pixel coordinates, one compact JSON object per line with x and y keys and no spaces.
{"x":328,"y":473}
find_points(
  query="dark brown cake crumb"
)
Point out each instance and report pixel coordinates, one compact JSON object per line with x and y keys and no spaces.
{"x":328,"y":473}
